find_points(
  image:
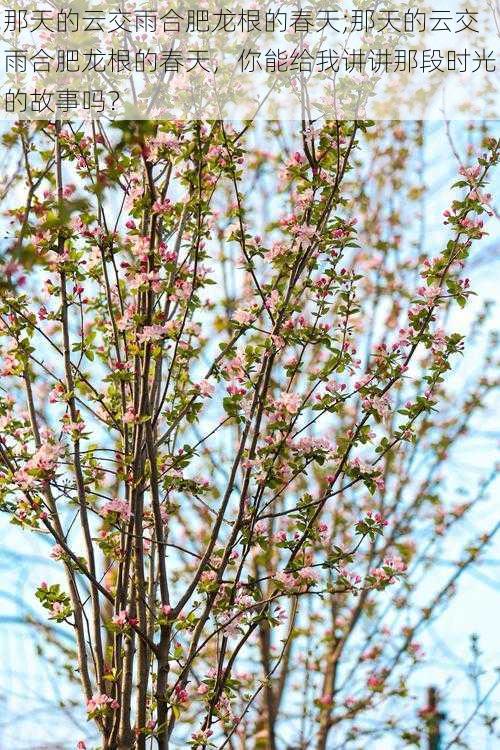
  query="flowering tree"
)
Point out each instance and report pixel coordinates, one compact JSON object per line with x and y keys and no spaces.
{"x":225,"y":399}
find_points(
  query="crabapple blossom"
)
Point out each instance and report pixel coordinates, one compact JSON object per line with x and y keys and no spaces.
{"x":234,"y":424}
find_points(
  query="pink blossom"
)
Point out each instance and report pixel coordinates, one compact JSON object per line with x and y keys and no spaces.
{"x":182,"y":290}
{"x":353,"y":578}
{"x":161,"y":207}
{"x":289,"y":402}
{"x":235,"y":390}
{"x":416,"y":650}
{"x":121,"y":618}
{"x":130,"y":416}
{"x":56,"y":552}
{"x":57,"y":608}
{"x":44,"y":459}
{"x":74,"y":427}
{"x":100,"y":702}
{"x":278,"y":249}
{"x":272,"y":300}
{"x":431,"y":293}
{"x":152,"y":333}
{"x":10,"y":363}
{"x":181,"y":694}
{"x":470,"y":173}
{"x":483,"y":198}
{"x":260,"y":527}
{"x":375,"y":681}
{"x":168,"y":256}
{"x":57,"y":393}
{"x":326,"y":699}
{"x":309,"y":574}
{"x":304,"y":232}
{"x":243,"y":316}
{"x":206,"y":388}
{"x":378,"y":518}
{"x":234,"y":369}
{"x":120,"y":507}
{"x":286,"y":579}
{"x":396,"y":563}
